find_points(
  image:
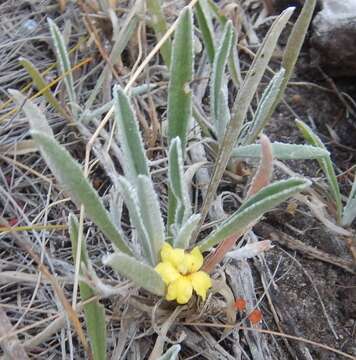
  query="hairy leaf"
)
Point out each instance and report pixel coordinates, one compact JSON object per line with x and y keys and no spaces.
{"x":151,"y":214}
{"x":268,"y":98}
{"x":265,"y":200}
{"x":350,"y":208}
{"x":242,"y":103}
{"x":141,"y":274}
{"x":218,"y":87}
{"x":171,"y":353}
{"x":281,"y":151}
{"x":182,"y":240}
{"x":135,"y":160}
{"x":179,"y":110}
{"x":94,"y":312}
{"x":70,"y":175}
{"x":129,"y":194}
{"x":325,"y":163}
{"x":34,"y":115}
{"x":178,"y":209}
{"x":64,"y":63}
{"x":203,"y":14}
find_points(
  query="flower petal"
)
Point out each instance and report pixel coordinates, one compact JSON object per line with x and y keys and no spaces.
{"x":166,"y":251}
{"x":201,"y":282}
{"x":168,"y":272}
{"x":180,"y":290}
{"x":196,"y":260}
{"x":173,"y":256}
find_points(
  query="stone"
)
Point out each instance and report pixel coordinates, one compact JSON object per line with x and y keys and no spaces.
{"x":333,"y":39}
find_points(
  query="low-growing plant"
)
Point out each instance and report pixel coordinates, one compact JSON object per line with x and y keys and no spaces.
{"x":343,"y":215}
{"x":162,"y":255}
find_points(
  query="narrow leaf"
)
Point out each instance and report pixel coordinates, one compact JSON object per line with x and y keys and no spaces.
{"x":325,"y":164}
{"x":233,"y":61}
{"x":64,"y":63}
{"x":205,"y":23}
{"x":94,"y":312}
{"x":129,"y":194}
{"x":160,"y":27}
{"x":350,"y":208}
{"x":70,"y":175}
{"x":281,"y":151}
{"x":129,"y":136}
{"x":234,"y":64}
{"x":182,"y":240}
{"x":267,"y":100}
{"x":292,"y":50}
{"x":41,"y":84}
{"x":265,"y":200}
{"x":34,"y":115}
{"x":142,"y":275}
{"x":179,"y":110}
{"x":179,"y":209}
{"x":242,"y":103}
{"x":219,"y":107}
{"x":151,"y":214}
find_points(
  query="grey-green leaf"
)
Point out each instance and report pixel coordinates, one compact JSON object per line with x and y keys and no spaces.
{"x":265,"y":200}
{"x":151,"y":214}
{"x":203,"y":14}
{"x":179,"y":110}
{"x":94,"y":312}
{"x":182,"y":240}
{"x":241,"y":105}
{"x":141,"y":274}
{"x":267,"y":100}
{"x":218,"y":88}
{"x":179,"y":209}
{"x":171,"y":353}
{"x":70,"y":175}
{"x":34,"y":115}
{"x":135,"y":160}
{"x":292,"y":50}
{"x":64,"y":63}
{"x":281,"y":151}
{"x":129,"y":194}
{"x":350,"y":208}
{"x":325,"y":164}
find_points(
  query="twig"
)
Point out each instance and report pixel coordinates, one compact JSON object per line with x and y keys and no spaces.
{"x":276,"y":333}
{"x":268,"y":231}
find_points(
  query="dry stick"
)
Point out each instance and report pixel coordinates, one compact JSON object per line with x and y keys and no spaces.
{"x":284,"y":239}
{"x":56,"y":287}
{"x":276,"y":333}
{"x":90,"y":144}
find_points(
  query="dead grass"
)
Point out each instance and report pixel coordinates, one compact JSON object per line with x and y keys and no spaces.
{"x":37,"y":271}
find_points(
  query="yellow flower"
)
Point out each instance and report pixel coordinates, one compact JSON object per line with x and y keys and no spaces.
{"x":180,"y":272}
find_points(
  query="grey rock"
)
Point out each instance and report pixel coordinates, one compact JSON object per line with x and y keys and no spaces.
{"x":333,"y":38}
